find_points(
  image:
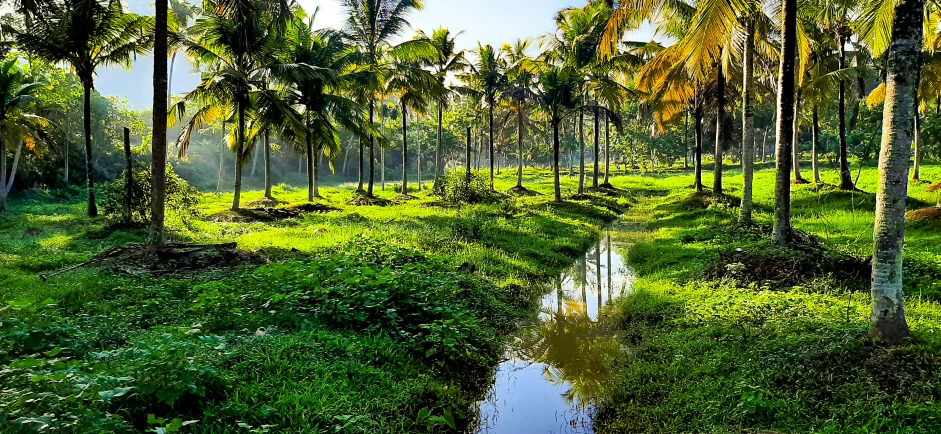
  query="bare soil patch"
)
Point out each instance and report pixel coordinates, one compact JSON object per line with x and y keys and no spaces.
{"x":178,"y":259}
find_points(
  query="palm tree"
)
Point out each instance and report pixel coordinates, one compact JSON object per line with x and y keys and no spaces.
{"x":488,"y":77}
{"x":783,"y":233}
{"x":371,"y":26}
{"x":85,"y":34}
{"x":159,"y":140}
{"x":904,"y":61}
{"x":449,"y":61}
{"x":21,"y":120}
{"x":557,"y":91}
{"x":412,"y":85}
{"x":243,"y":47}
{"x":181,"y":14}
{"x":521,"y":76}
{"x":325,"y":108}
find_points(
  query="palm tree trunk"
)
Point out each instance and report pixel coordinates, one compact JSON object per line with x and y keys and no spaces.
{"x":438,"y":168}
{"x":698,"y":156}
{"x":346,"y":155}
{"x":686,"y":139}
{"x":92,"y":205}
{"x":362,"y":152}
{"x":748,"y":127}
{"x":372,"y":153}
{"x":916,"y":143}
{"x":239,"y":160}
{"x":556,"y":156}
{"x":128,"y":175}
{"x":795,"y":146}
{"x":594,"y":181}
{"x":783,"y":233}
{"x":469,"y":139}
{"x":816,"y":145}
{"x":315,"y":168}
{"x":888,"y":322}
{"x":607,"y":152}
{"x":404,"y":149}
{"x":519,"y":144}
{"x":581,"y":152}
{"x":3,"y":179}
{"x":159,"y":138}
{"x":255,"y":158}
{"x":720,"y":132}
{"x":491,"y":142}
{"x":309,"y":155}
{"x":846,"y":177}
{"x":267,"y":165}
{"x":221,"y":180}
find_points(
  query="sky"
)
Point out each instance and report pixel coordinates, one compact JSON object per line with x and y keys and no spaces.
{"x":487,"y":21}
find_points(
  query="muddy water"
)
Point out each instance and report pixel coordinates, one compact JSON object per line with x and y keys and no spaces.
{"x":560,"y":362}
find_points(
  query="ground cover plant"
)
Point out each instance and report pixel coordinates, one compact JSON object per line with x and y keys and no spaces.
{"x":364,"y":319}
{"x":727,"y":333}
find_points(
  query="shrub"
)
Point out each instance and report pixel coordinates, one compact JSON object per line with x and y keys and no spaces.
{"x":181,"y":197}
{"x":455,"y":187}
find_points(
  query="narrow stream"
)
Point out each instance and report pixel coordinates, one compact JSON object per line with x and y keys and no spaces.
{"x":557,"y":365}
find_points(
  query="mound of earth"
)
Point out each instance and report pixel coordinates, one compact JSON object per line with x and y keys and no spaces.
{"x":523,"y":191}
{"x":936,"y":187}
{"x":264,"y":203}
{"x":807,"y":260}
{"x":311,"y":208}
{"x":927,"y":214}
{"x":266,"y":215}
{"x":364,"y":200}
{"x":170,"y":259}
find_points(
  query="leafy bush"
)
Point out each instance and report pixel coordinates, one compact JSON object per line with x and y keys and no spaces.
{"x":181,"y":197}
{"x":455,"y":187}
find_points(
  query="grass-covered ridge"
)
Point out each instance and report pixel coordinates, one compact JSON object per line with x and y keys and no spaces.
{"x":363,"y":318}
{"x":715,"y":343}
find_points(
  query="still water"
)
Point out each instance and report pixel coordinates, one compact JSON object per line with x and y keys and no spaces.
{"x":557,"y":364}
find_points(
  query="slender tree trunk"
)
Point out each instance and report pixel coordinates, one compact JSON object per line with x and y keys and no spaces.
{"x":490,"y":138}
{"x":346,"y":155}
{"x":267,"y":165}
{"x":594,"y":180}
{"x":221,"y":180}
{"x":469,"y":139}
{"x":315,"y":164}
{"x":783,"y":233}
{"x":607,"y":152}
{"x":170,"y":80}
{"x":581,"y":152}
{"x":239,"y":159}
{"x":795,"y":147}
{"x":686,"y":139}
{"x":438,"y":168}
{"x":255,"y":157}
{"x":888,"y":322}
{"x":748,"y":127}
{"x":519,"y":144}
{"x":556,"y":156}
{"x":418,"y":154}
{"x":3,"y":179}
{"x":362,"y":170}
{"x":158,"y":142}
{"x":309,"y":157}
{"x":92,"y":205}
{"x":68,"y":132}
{"x":372,"y":153}
{"x":698,"y":157}
{"x":816,"y":146}
{"x":916,"y":143}
{"x":404,"y":149}
{"x":720,"y":132}
{"x":846,"y":177}
{"x":128,"y":177}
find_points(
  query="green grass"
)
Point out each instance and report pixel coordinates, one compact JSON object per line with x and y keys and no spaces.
{"x":727,"y":354}
{"x":360,"y":321}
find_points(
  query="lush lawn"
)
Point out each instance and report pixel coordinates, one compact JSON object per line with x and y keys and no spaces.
{"x":361,"y":319}
{"x":711,"y":348}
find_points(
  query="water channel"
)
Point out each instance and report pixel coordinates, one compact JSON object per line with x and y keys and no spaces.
{"x":559,"y":363}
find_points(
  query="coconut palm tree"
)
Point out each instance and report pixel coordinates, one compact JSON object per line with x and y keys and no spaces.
{"x":557,"y":91}
{"x":449,"y":61}
{"x":414,"y":87}
{"x":180,"y":14}
{"x":243,"y":47}
{"x":21,"y":120}
{"x":487,"y":75}
{"x":159,"y":136}
{"x":85,"y":34}
{"x":904,"y":61}
{"x":783,"y":233}
{"x":324,"y":107}
{"x":521,"y":77}
{"x":371,"y":26}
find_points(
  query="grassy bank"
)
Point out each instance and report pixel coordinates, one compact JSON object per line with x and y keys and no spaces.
{"x":366,"y":319}
{"x":726,"y":333}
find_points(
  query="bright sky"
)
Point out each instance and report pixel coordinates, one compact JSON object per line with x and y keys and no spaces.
{"x":488,"y":21}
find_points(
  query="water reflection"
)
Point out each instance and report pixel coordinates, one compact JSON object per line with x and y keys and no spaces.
{"x":558,"y":365}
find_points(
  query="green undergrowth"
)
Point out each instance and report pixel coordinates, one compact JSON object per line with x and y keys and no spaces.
{"x":726,"y":333}
{"x":366,"y":319}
